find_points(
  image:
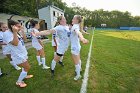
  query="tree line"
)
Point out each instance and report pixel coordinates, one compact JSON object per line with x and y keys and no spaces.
{"x":113,"y":19}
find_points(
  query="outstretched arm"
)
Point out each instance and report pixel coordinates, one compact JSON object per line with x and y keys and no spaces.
{"x":81,"y":37}
{"x":84,"y":32}
{"x":44,"y":32}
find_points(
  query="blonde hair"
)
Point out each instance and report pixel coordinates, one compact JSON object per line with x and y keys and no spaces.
{"x":80,"y":20}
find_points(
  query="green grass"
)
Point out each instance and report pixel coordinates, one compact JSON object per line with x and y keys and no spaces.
{"x":115,"y":67}
{"x":42,"y":81}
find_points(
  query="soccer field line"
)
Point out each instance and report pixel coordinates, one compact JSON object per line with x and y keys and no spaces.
{"x":86,"y":73}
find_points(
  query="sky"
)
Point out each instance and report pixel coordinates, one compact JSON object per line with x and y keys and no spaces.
{"x":132,"y":6}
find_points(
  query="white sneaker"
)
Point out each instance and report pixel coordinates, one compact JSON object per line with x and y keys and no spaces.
{"x":40,"y":63}
{"x":18,"y":68}
{"x":77,"y":77}
{"x":45,"y":67}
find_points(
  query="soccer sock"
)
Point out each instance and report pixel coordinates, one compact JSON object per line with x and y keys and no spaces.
{"x":61,"y":58}
{"x":53,"y":64}
{"x":13,"y":64}
{"x":43,"y":61}
{"x":77,"y":68}
{"x":22,"y":75}
{"x":80,"y":64}
{"x":38,"y":59}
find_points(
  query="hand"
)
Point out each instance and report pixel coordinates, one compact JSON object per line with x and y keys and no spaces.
{"x":85,"y":41}
{"x":15,"y":29}
{"x":33,"y":33}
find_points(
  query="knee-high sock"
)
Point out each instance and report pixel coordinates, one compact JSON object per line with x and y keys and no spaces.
{"x":38,"y":59}
{"x":80,"y":63}
{"x":43,"y":61}
{"x":22,"y":75}
{"x":77,"y":69}
{"x":53,"y":64}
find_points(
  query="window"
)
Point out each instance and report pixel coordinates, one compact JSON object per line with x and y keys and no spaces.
{"x":53,"y":13}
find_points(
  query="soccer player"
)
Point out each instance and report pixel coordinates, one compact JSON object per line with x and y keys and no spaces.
{"x":62,"y":31}
{"x":15,"y":41}
{"x":5,"y":49}
{"x":75,"y":38}
{"x":38,"y":45}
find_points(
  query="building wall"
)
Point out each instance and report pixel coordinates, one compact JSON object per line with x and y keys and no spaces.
{"x":50,"y":14}
{"x":44,"y":13}
{"x":54,"y":17}
{"x":23,"y":19}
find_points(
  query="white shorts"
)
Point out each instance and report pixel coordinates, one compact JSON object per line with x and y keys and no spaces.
{"x":19,"y":60}
{"x":37,"y":46}
{"x":61,"y":50}
{"x":75,"y":50}
{"x":6,"y":50}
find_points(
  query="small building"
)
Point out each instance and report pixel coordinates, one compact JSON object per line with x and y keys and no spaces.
{"x":24,"y":20}
{"x":50,"y":14}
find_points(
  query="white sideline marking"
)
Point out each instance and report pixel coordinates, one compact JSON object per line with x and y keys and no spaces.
{"x":85,"y":80}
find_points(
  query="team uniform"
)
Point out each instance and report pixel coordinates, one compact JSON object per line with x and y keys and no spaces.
{"x":75,"y":48}
{"x":18,"y":53}
{"x":4,"y":37}
{"x":35,"y":42}
{"x":75,"y":42}
{"x":54,"y":36}
{"x":1,"y":36}
{"x":63,"y":39}
{"x":63,"y":35}
{"x":5,"y":48}
{"x":38,"y":46}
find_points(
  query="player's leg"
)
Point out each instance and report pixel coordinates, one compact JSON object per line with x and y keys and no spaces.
{"x":25,"y":68}
{"x":42,"y":53}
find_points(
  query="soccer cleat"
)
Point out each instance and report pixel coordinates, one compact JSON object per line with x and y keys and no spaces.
{"x":52,"y":72}
{"x":29,"y":76}
{"x":77,"y":77}
{"x":61,"y":63}
{"x":45,"y":67}
{"x":40,"y":63}
{"x":18,"y":68}
{"x":21,"y":84}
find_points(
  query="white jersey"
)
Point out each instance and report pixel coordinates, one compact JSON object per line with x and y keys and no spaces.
{"x":5,"y":48}
{"x":74,"y":38}
{"x":63,"y":42}
{"x":19,"y":52}
{"x":35,"y":42}
{"x":54,"y":36}
{"x":1,"y":36}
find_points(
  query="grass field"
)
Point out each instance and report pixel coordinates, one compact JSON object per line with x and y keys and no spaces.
{"x":115,"y":67}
